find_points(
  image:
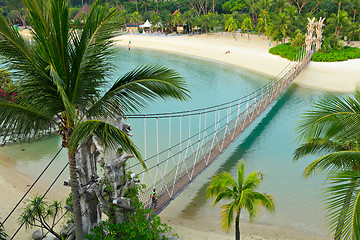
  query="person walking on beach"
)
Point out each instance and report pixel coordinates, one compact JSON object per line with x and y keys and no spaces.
{"x":153,"y":197}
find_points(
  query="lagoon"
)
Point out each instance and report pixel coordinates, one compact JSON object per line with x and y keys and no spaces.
{"x":266,"y":146}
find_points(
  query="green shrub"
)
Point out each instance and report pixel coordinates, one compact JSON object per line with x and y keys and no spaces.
{"x":136,"y":226}
{"x":285,"y":51}
{"x":326,"y":54}
{"x":337,"y":55}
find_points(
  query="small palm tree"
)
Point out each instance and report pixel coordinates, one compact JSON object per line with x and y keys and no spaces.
{"x":45,"y":214}
{"x":242,"y":194}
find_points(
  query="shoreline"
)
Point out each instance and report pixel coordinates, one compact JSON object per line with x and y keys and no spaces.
{"x":251,"y":55}
{"x":185,"y":228}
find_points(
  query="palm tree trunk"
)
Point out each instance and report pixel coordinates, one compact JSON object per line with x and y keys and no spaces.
{"x":237,"y":226}
{"x":75,"y":197}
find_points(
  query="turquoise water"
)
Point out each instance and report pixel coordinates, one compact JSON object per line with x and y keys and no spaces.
{"x":266,"y":146}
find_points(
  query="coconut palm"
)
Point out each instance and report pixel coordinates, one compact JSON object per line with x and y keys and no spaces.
{"x":63,"y":84}
{"x":331,"y":130}
{"x":242,"y":194}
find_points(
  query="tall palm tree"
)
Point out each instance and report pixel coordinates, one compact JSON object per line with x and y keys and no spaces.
{"x":264,"y":6}
{"x":242,"y":194}
{"x":339,"y":23}
{"x":63,"y":84}
{"x":247,"y":25}
{"x":231,"y":25}
{"x":331,"y":129}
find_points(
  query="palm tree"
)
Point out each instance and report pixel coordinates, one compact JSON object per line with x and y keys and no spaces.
{"x":247,"y":25}
{"x":339,"y":23}
{"x":145,"y":4}
{"x":63,"y":84}
{"x":135,"y":17}
{"x":231,"y":25}
{"x":242,"y":194}
{"x":188,"y":18}
{"x":45,"y":214}
{"x":331,"y":130}
{"x":264,"y":5}
{"x":280,"y":27}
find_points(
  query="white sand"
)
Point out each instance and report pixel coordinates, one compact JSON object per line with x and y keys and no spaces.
{"x":252,"y":55}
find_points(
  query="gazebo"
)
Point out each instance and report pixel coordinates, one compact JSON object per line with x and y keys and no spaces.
{"x":147,"y":24}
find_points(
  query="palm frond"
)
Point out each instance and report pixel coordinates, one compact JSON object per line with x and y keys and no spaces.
{"x":110,"y":137}
{"x":227,"y":215}
{"x":341,"y":160}
{"x":91,"y":54}
{"x":342,"y":203}
{"x":135,"y":89}
{"x":316,"y":146}
{"x":332,"y":116}
{"x":23,"y":122}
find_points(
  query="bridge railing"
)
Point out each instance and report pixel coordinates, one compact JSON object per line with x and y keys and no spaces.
{"x":189,"y":160}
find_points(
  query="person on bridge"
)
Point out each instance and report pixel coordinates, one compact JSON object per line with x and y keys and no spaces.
{"x":153,"y":197}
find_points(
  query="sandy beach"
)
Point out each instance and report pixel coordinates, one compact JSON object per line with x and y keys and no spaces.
{"x":251,"y":54}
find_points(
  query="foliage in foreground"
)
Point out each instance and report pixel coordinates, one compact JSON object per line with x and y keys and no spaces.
{"x":3,"y":234}
{"x":285,"y":51}
{"x":242,"y":194}
{"x":139,"y":224}
{"x":337,"y":55}
{"x":330,"y":130}
{"x":342,"y":199}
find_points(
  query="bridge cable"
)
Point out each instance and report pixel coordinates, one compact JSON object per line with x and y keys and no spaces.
{"x":46,"y":192}
{"x":37,"y":179}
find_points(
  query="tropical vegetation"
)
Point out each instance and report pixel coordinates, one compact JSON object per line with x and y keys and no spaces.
{"x":45,"y":214}
{"x":140,"y":224}
{"x":241,"y":193}
{"x":63,"y":83}
{"x":330,"y":130}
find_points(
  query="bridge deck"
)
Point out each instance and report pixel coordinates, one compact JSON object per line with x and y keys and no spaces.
{"x":175,"y":182}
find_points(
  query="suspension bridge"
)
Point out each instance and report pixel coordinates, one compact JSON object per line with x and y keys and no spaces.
{"x":209,"y":132}
{"x":179,"y":146}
